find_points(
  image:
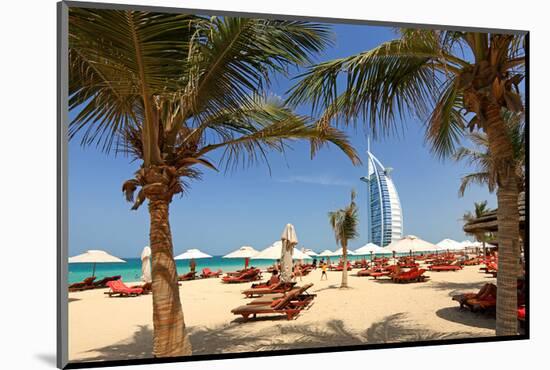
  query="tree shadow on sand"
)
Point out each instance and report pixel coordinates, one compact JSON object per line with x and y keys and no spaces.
{"x":140,"y":345}
{"x":232,"y":338}
{"x":281,"y":335}
{"x":396,"y":328}
{"x":468,"y":318}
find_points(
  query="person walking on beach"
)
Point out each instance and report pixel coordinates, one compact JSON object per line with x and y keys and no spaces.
{"x":324,"y":271}
{"x":297,"y":271}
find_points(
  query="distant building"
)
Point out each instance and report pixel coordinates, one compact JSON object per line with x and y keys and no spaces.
{"x":385,"y":217}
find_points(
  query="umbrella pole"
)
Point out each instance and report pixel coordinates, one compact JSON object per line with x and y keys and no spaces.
{"x":93,"y":270}
{"x":245,"y":263}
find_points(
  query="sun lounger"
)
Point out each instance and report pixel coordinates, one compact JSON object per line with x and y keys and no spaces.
{"x":279,"y":287}
{"x":283,"y":306}
{"x":439,"y":268}
{"x":302,"y":296}
{"x":207,"y":273}
{"x":189,"y":276}
{"x":83,"y":285}
{"x":483,"y":300}
{"x":117,"y":287}
{"x":413,"y":275}
{"x":103,"y":282}
{"x":146,"y":288}
{"x":245,"y":277}
{"x":521,"y":313}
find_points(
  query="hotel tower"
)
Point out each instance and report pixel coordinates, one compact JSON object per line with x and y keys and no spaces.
{"x":385,"y":218}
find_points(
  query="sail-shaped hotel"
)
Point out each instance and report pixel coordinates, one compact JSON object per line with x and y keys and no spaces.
{"x":385,"y":217}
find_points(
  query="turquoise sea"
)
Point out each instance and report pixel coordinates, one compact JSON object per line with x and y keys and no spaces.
{"x":131,"y":270}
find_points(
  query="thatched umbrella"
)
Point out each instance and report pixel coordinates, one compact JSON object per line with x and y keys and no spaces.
{"x":289,"y":240}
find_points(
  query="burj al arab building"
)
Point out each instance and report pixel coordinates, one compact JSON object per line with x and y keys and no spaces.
{"x":385,"y":217}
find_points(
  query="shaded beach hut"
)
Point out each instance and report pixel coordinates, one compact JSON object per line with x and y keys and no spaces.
{"x":95,"y":256}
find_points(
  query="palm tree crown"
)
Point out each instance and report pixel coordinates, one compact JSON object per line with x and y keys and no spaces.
{"x":344,"y":221}
{"x":480,"y":157}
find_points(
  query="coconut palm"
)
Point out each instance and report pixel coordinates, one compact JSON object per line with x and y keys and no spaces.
{"x":455,"y":81}
{"x":481,"y":159}
{"x":169,"y":90}
{"x":344,"y":223}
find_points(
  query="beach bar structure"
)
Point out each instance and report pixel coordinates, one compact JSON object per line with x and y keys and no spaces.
{"x":488,"y":223}
{"x":385,"y":216}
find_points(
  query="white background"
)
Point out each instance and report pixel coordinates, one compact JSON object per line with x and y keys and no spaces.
{"x":28,"y":181}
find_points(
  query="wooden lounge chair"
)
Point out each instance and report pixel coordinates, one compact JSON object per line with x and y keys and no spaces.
{"x":207,"y":273}
{"x":117,"y":287}
{"x":413,"y":275}
{"x":145,"y":287}
{"x":103,"y":282}
{"x":191,"y":275}
{"x":302,"y":297}
{"x":521,"y":313}
{"x":83,"y":285}
{"x":483,"y":300}
{"x":279,"y":287}
{"x":439,"y":268}
{"x":246,"y":277}
{"x":282,"y":306}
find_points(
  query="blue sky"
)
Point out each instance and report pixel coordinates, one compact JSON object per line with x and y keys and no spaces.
{"x":251,"y":206}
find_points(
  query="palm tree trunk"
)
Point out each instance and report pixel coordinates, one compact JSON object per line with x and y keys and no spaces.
{"x":508,"y":223}
{"x":345,"y":264}
{"x":169,"y":337}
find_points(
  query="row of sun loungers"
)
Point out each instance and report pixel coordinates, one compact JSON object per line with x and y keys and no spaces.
{"x":288,"y":303}
{"x":90,"y":283}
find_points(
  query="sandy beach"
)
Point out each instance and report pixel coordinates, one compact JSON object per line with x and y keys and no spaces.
{"x":370,"y":311}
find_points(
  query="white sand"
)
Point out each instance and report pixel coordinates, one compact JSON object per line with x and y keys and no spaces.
{"x":103,"y":328}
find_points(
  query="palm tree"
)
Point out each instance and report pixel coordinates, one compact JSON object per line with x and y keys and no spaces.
{"x":344,"y":224}
{"x":480,"y":210}
{"x":170,"y":89}
{"x":481,"y":159}
{"x":453,"y":80}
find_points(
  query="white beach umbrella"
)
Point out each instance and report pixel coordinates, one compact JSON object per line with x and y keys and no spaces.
{"x":310,"y":253}
{"x":245,"y":252}
{"x":340,"y":252}
{"x":411,"y":244}
{"x":327,"y":253}
{"x":289,"y":240}
{"x":449,"y":244}
{"x":273,"y":252}
{"x":192,"y":254}
{"x":95,"y":256}
{"x":467,"y":244}
{"x":371,"y":248}
{"x":480,"y":245}
{"x":146,"y":265}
